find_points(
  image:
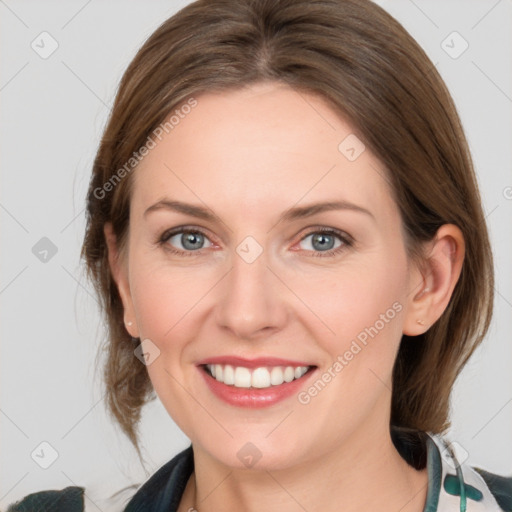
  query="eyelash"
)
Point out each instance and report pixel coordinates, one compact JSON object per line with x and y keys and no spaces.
{"x":345,"y":238}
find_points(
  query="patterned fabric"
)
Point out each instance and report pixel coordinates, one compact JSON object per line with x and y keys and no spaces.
{"x":453,"y":486}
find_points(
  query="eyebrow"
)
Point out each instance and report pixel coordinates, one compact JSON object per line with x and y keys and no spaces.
{"x":295,"y":213}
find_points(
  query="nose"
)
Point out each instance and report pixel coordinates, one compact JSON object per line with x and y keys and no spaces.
{"x":252,"y":302}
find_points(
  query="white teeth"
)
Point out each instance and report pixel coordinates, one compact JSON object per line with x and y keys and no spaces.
{"x":229,"y":375}
{"x":276,"y":376}
{"x":289,"y":374}
{"x":242,"y":377}
{"x":263,"y":377}
{"x":260,"y":378}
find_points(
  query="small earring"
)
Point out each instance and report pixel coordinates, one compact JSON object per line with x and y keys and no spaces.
{"x":129,"y":324}
{"x":421,"y":322}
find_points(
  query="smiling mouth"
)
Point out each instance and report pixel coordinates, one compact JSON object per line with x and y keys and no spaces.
{"x":260,"y":378}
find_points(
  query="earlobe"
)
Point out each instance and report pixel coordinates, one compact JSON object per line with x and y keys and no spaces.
{"x":120,"y":276}
{"x":432,"y":287}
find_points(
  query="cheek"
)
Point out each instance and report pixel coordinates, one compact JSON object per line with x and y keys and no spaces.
{"x":167,"y":305}
{"x":164,"y":298}
{"x":361,"y":302}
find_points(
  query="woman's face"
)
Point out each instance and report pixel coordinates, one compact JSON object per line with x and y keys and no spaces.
{"x":257,"y":278}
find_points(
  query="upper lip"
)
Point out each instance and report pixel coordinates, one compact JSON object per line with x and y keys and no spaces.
{"x":252,"y":363}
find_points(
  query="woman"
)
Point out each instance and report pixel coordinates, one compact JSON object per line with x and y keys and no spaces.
{"x":285,"y":230}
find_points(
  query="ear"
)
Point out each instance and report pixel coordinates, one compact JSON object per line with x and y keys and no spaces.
{"x":431,"y":287}
{"x":119,"y":270}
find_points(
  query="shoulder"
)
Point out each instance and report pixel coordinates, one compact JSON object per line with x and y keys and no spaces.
{"x":70,"y":499}
{"x":164,"y":487}
{"x":461,"y":483}
{"x":500,"y":487}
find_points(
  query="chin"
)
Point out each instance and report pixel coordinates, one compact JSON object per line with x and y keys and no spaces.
{"x":259,"y":454}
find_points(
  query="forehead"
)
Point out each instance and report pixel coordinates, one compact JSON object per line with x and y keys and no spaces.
{"x":259,"y":147}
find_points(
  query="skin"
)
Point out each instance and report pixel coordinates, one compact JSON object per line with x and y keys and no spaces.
{"x":249,"y":155}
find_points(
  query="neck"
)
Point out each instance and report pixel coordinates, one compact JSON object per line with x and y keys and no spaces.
{"x":364,"y":472}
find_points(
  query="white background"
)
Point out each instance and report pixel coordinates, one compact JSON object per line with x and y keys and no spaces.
{"x":52,"y":114}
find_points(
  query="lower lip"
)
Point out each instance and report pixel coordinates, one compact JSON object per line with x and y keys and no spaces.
{"x":254,"y":398}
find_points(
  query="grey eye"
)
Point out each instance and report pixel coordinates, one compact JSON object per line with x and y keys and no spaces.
{"x":189,"y":240}
{"x":321,"y":241}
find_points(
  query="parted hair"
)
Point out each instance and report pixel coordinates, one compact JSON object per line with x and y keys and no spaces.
{"x":376,"y":76}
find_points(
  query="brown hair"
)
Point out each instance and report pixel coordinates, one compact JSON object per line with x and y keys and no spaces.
{"x":365,"y":64}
